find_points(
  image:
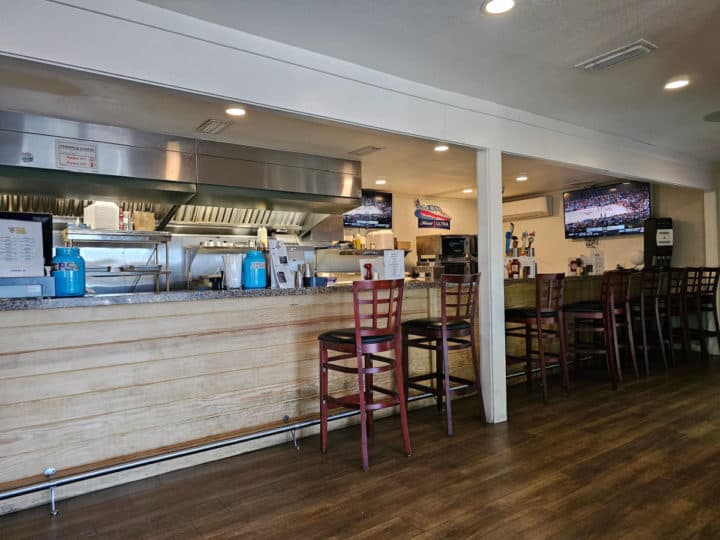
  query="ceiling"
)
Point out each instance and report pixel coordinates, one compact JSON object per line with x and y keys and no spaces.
{"x":522,"y":59}
{"x":409,"y":165}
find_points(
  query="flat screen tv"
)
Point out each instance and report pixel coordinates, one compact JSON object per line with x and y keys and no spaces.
{"x":375,"y":211}
{"x":609,"y":210}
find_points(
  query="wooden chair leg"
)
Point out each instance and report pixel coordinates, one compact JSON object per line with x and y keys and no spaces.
{"x":609,"y":347}
{"x":363,"y":413}
{"x":438,"y":375}
{"x":661,"y":338}
{"x":671,"y":335}
{"x":405,"y":363}
{"x":402,"y":397}
{"x":323,"y":400}
{"x":716,"y":322}
{"x":528,"y":355}
{"x":446,"y":372}
{"x":631,"y":338}
{"x":643,"y":327}
{"x":476,"y":367}
{"x":562,"y":331}
{"x":701,"y":328}
{"x":616,"y":347}
{"x":684,"y":315}
{"x":369,"y":397}
{"x":541,"y":354}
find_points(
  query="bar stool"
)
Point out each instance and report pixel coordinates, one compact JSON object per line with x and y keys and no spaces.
{"x":532,"y":323}
{"x":606,"y":317}
{"x":705,"y":301}
{"x":453,"y":330}
{"x":642,"y":307}
{"x":690,"y":307}
{"x":378,"y":302}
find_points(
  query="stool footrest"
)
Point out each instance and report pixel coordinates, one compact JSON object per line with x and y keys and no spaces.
{"x":352,"y":401}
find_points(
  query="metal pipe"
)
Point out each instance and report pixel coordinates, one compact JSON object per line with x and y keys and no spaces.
{"x":535,"y":370}
{"x":104,"y":471}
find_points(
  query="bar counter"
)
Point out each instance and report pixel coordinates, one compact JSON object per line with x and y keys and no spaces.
{"x":99,"y":380}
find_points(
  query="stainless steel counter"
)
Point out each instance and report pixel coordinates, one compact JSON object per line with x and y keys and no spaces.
{"x":19,"y":304}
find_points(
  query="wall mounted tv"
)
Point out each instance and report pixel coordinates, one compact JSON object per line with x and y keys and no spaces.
{"x":375,"y":212}
{"x":609,"y":210}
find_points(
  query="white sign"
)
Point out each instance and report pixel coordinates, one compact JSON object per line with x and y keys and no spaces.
{"x":282,"y":274}
{"x":76,"y":156}
{"x":394,"y":260}
{"x":664,"y":237}
{"x":21,"y":248}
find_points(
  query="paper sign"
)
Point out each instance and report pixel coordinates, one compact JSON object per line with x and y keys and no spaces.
{"x":664,"y":237}
{"x":21,"y":249}
{"x":282,"y":273}
{"x":394,"y":261}
{"x":76,"y":156}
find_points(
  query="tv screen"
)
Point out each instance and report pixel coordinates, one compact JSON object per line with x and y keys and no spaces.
{"x":606,"y":210}
{"x":374,"y":213}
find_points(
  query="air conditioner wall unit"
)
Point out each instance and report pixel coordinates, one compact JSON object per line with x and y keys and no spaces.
{"x":528,"y":208}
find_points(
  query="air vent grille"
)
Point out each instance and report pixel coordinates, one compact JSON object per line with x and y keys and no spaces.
{"x":365,"y":150}
{"x":213,"y":127}
{"x":617,"y":56}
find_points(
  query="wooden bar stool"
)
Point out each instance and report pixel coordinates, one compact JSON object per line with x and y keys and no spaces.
{"x":378,"y":303}
{"x":705,"y":301}
{"x":690,"y":303}
{"x":453,"y":330}
{"x":673,"y":307}
{"x":607,"y":317}
{"x":648,"y":305}
{"x":533,"y":322}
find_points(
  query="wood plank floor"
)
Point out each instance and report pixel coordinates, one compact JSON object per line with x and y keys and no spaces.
{"x":643,"y":462}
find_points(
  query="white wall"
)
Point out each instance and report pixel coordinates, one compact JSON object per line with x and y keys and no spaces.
{"x":685,"y":206}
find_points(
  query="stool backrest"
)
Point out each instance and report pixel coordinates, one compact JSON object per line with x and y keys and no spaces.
{"x":675,"y":282}
{"x":384,"y":299}
{"x":458,"y":297}
{"x":691,"y":283}
{"x":549,"y":290}
{"x":709,"y":281}
{"x":615,"y":288}
{"x":651,"y":280}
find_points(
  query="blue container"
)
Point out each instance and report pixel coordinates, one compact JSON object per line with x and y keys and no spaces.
{"x":254,"y":274}
{"x":68,"y":269}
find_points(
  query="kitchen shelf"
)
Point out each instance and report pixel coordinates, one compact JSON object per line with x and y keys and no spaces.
{"x":82,"y":237}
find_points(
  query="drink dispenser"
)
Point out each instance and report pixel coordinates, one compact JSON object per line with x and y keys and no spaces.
{"x":658,"y":243}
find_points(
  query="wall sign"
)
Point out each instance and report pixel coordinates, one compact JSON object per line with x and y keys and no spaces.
{"x":76,"y":156}
{"x":430,"y":216}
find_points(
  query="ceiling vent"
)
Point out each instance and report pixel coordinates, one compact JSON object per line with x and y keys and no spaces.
{"x":365,"y":150}
{"x":617,"y":56}
{"x":213,"y":127}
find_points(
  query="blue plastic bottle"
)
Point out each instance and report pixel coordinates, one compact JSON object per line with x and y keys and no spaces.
{"x":254,"y":275}
{"x":68,"y":269}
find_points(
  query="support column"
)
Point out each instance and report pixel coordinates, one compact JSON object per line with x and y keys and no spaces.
{"x":492,"y":285}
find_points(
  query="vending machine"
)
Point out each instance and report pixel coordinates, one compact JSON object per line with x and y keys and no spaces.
{"x":658,"y":243}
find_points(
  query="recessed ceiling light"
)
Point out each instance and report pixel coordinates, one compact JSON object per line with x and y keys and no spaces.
{"x":381,"y":181}
{"x":441,"y":148}
{"x":467,"y":190}
{"x":522,"y":178}
{"x":235,"y":111}
{"x":677,"y":82}
{"x":495,"y":7}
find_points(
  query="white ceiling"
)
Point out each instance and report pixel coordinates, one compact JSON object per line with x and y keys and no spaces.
{"x":523,"y":59}
{"x":409,"y":165}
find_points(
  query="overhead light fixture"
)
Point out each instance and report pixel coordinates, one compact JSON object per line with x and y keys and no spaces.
{"x":381,"y":181}
{"x":441,"y":148}
{"x":676,"y":83}
{"x":496,"y":7}
{"x":522,"y":178}
{"x":467,"y":190}
{"x":235,"y":111}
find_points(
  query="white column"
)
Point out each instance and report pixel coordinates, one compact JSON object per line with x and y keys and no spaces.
{"x":492,"y":290}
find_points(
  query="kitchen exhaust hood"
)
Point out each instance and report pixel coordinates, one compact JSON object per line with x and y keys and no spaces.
{"x":51,"y":157}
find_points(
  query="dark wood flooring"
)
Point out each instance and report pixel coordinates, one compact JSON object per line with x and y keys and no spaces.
{"x":643,"y":462}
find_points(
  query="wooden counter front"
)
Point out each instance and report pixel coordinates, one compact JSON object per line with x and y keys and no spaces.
{"x":85,"y":385}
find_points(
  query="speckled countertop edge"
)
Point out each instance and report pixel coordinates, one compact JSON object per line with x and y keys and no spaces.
{"x":21,"y":304}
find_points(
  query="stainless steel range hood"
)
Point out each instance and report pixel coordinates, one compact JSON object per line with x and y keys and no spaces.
{"x":51,"y":157}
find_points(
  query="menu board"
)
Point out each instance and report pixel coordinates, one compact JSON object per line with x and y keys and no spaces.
{"x":21,"y":249}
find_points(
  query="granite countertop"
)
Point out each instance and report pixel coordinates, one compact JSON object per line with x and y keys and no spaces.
{"x":19,"y":304}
